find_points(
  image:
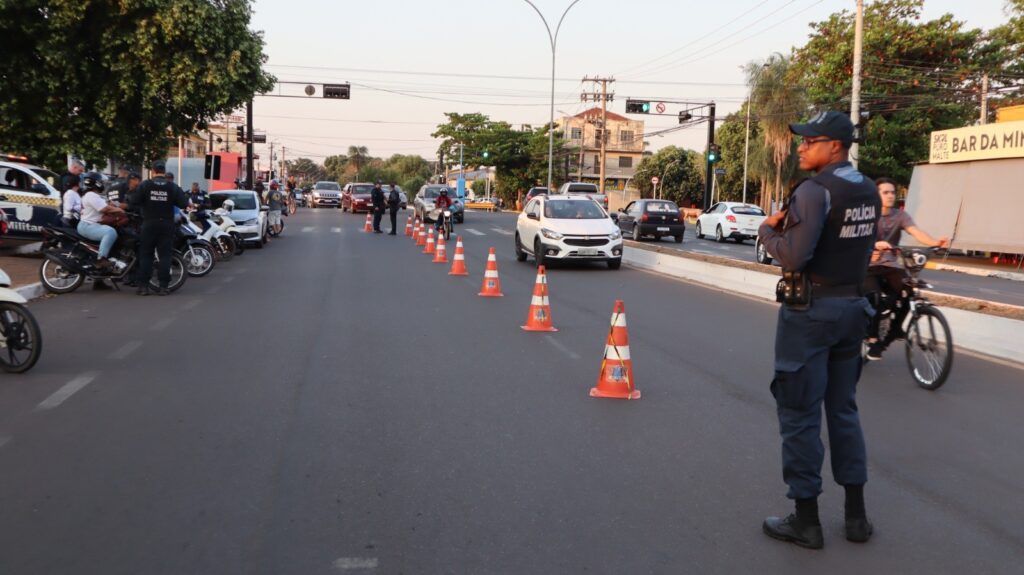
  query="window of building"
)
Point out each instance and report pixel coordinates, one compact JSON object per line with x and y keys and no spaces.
{"x":625,"y":161}
{"x":597,"y":161}
{"x":626,"y":136}
{"x":576,"y":134}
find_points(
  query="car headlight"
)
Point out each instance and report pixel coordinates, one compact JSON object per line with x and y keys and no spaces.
{"x":550,"y":234}
{"x":615,"y":235}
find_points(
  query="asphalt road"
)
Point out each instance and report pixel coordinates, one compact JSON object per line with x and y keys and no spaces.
{"x":336,"y":403}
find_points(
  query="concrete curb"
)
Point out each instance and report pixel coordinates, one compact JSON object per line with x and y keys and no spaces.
{"x":984,"y":333}
{"x":981,"y":272}
{"x":31,"y":291}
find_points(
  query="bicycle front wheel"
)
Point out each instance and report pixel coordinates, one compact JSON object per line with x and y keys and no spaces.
{"x":929,"y":348}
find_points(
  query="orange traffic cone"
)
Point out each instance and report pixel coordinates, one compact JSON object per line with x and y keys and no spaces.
{"x":441,"y":254}
{"x":430,"y":242}
{"x":492,"y":283}
{"x":539,"y":316}
{"x":616,"y":379}
{"x":408,"y":226}
{"x":421,"y":239}
{"x":415,"y":230}
{"x":368,"y":226}
{"x":459,"y":261}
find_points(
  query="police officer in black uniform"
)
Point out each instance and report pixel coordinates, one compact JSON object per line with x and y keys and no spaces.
{"x":394,"y":202}
{"x":377,"y":198}
{"x":156,"y":199}
{"x":200,"y":201}
{"x":823,"y":240}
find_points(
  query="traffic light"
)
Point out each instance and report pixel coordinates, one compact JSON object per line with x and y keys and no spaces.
{"x":486,"y":154}
{"x":714,"y":154}
{"x":684,"y":116}
{"x":240,"y":134}
{"x":638,"y":107}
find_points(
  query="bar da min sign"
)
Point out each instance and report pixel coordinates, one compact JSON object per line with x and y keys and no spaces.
{"x":988,"y":142}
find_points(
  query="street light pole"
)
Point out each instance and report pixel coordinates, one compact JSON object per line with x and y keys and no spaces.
{"x":746,"y":144}
{"x":553,"y":38}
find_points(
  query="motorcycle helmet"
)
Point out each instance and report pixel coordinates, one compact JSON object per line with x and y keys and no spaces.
{"x":273,"y":185}
{"x":228,"y":205}
{"x":444,"y":191}
{"x":92,"y":182}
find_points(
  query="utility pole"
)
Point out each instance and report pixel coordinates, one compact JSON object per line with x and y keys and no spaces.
{"x":283,"y":164}
{"x":248,"y":146}
{"x":858,"y":49}
{"x":710,"y":171}
{"x":984,"y":99}
{"x":273,"y":160}
{"x":604,"y":97}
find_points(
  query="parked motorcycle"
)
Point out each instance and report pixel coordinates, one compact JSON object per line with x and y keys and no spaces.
{"x":224,"y":244}
{"x":71,"y":258}
{"x":21,"y":341}
{"x":198,"y":254}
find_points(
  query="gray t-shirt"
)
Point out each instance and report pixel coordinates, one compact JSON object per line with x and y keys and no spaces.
{"x":890,"y":229}
{"x":275,"y":199}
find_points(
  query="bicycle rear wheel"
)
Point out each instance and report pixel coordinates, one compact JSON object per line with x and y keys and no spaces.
{"x":929,"y":348}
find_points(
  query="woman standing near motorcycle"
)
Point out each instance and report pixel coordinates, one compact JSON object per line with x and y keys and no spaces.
{"x":94,"y":207}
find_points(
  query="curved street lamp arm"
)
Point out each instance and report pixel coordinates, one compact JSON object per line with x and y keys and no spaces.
{"x":551,"y":38}
{"x":560,"y":20}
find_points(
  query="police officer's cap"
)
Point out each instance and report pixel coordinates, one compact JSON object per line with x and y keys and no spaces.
{"x":832,"y":125}
{"x":159,"y":166}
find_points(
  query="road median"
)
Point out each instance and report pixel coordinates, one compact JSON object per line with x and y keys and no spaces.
{"x":978,"y":325}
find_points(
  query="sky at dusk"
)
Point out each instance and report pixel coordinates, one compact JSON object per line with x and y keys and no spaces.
{"x":409,"y":62}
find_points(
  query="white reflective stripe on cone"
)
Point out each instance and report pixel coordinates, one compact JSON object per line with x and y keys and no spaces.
{"x":491,"y":274}
{"x":619,"y":320}
{"x":459,"y":257}
{"x":539,"y":300}
{"x":616,"y":352}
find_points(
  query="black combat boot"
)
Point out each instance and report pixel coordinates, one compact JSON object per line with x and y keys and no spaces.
{"x":858,"y":528}
{"x":801,"y":528}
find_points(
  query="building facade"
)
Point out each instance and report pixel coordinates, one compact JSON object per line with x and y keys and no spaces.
{"x":624,"y":147}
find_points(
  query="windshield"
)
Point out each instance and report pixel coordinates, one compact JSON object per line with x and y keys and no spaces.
{"x":243,"y":200}
{"x":572,"y":210}
{"x":431,"y":193}
{"x":48,"y":176}
{"x":747,"y":211}
{"x":364,"y":189}
{"x":661,"y":208}
{"x":327,"y":186}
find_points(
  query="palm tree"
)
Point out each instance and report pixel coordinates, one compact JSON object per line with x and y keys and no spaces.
{"x":358,"y":155}
{"x":777,"y":101}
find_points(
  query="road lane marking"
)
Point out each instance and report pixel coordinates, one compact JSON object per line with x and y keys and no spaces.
{"x":228,"y":279}
{"x":336,"y":230}
{"x":348,"y":563}
{"x":163,"y":324}
{"x":5,"y":439}
{"x":67,"y":390}
{"x":561,"y":347}
{"x":126,"y":349}
{"x":503,"y":232}
{"x":474,"y":232}
{"x":307,"y":229}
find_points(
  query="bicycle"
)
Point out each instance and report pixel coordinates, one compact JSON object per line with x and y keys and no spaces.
{"x":929,"y":341}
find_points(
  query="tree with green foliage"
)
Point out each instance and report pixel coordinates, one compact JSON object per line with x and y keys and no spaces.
{"x":918,"y":76}
{"x":680,"y":173}
{"x":776,"y":100}
{"x":731,"y":138}
{"x":334,"y":167}
{"x":305,"y":170}
{"x":358,"y":157}
{"x":116,"y":79}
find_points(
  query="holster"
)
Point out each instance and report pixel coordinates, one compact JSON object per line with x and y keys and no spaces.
{"x":794,"y":290}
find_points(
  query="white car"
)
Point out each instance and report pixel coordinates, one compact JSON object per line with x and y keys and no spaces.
{"x":734,"y":220}
{"x":249,"y":215}
{"x":559,"y":228}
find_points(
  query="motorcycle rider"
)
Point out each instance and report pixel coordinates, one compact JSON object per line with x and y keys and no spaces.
{"x":200,"y":202}
{"x":885,"y":274}
{"x":442,"y":203}
{"x":94,"y":207}
{"x":156,"y":198}
{"x":72,"y":204}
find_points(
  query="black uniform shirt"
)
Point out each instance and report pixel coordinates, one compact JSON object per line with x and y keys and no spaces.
{"x":377,"y":196}
{"x":156,"y":198}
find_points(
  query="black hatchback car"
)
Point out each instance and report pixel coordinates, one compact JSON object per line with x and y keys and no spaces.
{"x":656,"y":218}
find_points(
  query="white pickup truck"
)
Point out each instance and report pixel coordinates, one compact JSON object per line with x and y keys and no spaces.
{"x":584,"y":189}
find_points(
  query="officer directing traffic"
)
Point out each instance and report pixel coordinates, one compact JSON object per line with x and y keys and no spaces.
{"x":823,"y":240}
{"x":156,"y":198}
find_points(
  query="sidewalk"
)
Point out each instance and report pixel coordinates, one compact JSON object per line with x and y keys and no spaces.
{"x":977,"y":266}
{"x":22,"y":269}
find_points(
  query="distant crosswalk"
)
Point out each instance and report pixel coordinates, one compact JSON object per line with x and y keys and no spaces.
{"x":491,"y":231}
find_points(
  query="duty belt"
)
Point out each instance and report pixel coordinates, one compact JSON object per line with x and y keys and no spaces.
{"x":820,"y":291}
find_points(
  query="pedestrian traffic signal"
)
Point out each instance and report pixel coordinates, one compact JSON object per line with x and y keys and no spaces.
{"x":240,"y":134}
{"x":638,"y":107}
{"x":714,"y":154}
{"x":684,"y":116}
